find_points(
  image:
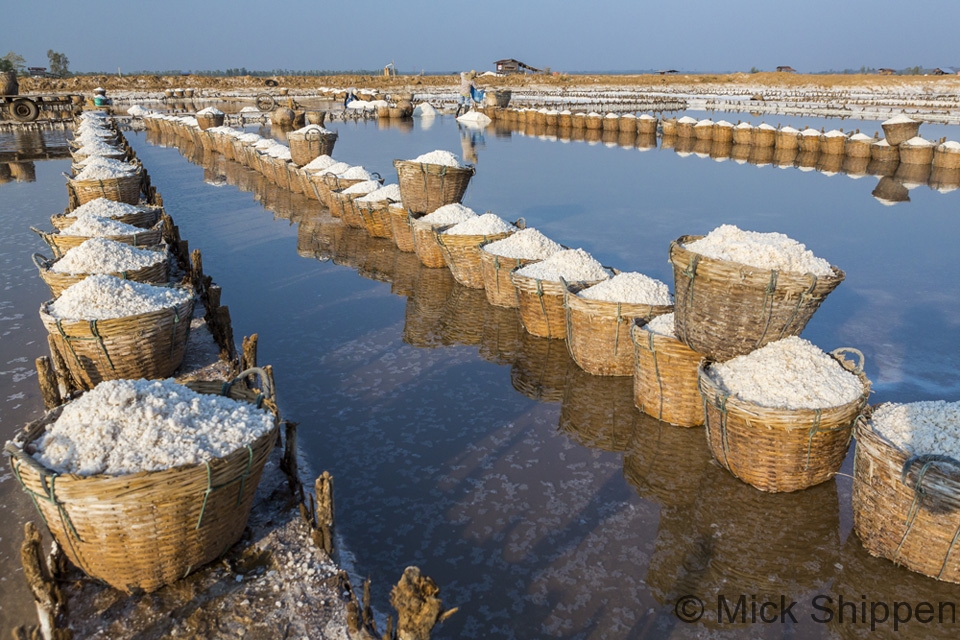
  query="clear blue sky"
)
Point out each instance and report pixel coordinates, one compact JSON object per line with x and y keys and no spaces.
{"x":695,"y":35}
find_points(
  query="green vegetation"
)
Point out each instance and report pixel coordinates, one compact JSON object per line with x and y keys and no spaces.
{"x":59,"y":64}
{"x":13,"y":62}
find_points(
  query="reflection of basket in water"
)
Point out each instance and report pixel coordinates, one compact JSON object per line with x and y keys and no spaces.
{"x":461,"y":253}
{"x":380,"y":258}
{"x":497,"y":283}
{"x":427,"y":187}
{"x":598,"y":331}
{"x":139,"y":532}
{"x":152,"y":274}
{"x":541,"y":305}
{"x":598,"y":412}
{"x":540,"y":370}
{"x":351,"y":247}
{"x":145,"y":345}
{"x":463,"y":317}
{"x":665,"y":464}
{"x":780,"y":449}
{"x":406,"y":270}
{"x":665,"y":378}
{"x":725,"y":309}
{"x":501,"y":335}
{"x":906,"y":508}
{"x":426,"y":308}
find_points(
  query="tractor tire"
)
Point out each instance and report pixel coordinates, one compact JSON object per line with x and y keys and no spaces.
{"x":24,"y":110}
{"x":265,"y":102}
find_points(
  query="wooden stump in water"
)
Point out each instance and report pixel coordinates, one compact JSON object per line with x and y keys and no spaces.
{"x":419,"y":608}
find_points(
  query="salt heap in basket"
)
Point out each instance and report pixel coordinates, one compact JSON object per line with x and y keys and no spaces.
{"x":432,"y":180}
{"x":499,"y":258}
{"x":460,"y":245}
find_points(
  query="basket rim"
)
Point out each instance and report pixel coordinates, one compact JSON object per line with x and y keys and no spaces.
{"x":106,"y":322}
{"x":45,"y":264}
{"x":636,"y":328}
{"x":427,"y":167}
{"x":587,"y":304}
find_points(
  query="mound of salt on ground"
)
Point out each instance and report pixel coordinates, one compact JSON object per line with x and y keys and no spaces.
{"x":475,"y":117}
{"x":424,"y":110}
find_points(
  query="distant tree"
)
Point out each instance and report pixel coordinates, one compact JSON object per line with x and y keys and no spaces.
{"x":13,"y":62}
{"x":59,"y":64}
{"x":754,"y":70}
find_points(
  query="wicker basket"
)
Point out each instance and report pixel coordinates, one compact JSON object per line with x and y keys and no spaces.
{"x":946,"y":157}
{"x":895,"y":134}
{"x":122,"y":189}
{"x":725,"y":309}
{"x":60,"y":243}
{"x":424,"y":188}
{"x":402,"y":227}
{"x":565,"y":120}
{"x":743,"y":135}
{"x":884,"y":153}
{"x":686,"y":130}
{"x":916,"y":153}
{"x":904,"y":506}
{"x":665,"y":378}
{"x":502,"y":331}
{"x":541,"y":304}
{"x":210,"y":120}
{"x":307,"y":146}
{"x":461,"y":253}
{"x":611,"y":122}
{"x":598,"y":331}
{"x":787,"y":139}
{"x":426,"y":244}
{"x":594,"y":122}
{"x":146,"y":345}
{"x":780,"y":450}
{"x":141,"y":531}
{"x":857,"y":148}
{"x":578,"y":120}
{"x":375,"y":217}
{"x":646,"y":126}
{"x":809,"y":140}
{"x":145,"y":218}
{"x":152,"y":274}
{"x":425,"y":309}
{"x":833,"y":145}
{"x":598,"y":412}
{"x":342,"y":206}
{"x":763,"y":137}
{"x":501,"y":291}
{"x":540,"y":369}
{"x":704,"y":131}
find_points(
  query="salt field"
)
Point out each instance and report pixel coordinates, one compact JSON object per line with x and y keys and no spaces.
{"x":537,"y":496}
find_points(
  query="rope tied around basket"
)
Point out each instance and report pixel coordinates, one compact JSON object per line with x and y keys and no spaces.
{"x":920,"y":493}
{"x":768,"y":292}
{"x":656,"y":370}
{"x":22,"y":457}
{"x":722,"y":407}
{"x":68,"y":341}
{"x":211,"y":487}
{"x":690,"y":272}
{"x":802,"y":300}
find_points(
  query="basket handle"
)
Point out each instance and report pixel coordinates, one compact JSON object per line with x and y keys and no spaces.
{"x":42,"y":261}
{"x":312,"y":134}
{"x":25,"y":458}
{"x":521,"y":223}
{"x":268,"y":391}
{"x":378,"y":176}
{"x":838,"y":353}
{"x":927,"y":460}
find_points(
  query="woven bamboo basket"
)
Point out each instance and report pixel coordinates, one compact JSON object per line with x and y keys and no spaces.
{"x":383,"y":111}
{"x":665,"y":464}
{"x":267,"y":167}
{"x":57,"y":282}
{"x":704,"y":131}
{"x":598,"y":331}
{"x":142,"y":531}
{"x":402,"y":227}
{"x":539,"y":117}
{"x":906,"y":508}
{"x":426,"y":244}
{"x":210,"y":120}
{"x":342,"y":206}
{"x":502,"y":331}
{"x":461,"y":253}
{"x":743,"y":135}
{"x":611,"y":122}
{"x":146,"y":345}
{"x":946,"y":157}
{"x":294,"y":180}
{"x":723,"y":133}
{"x":895,"y":134}
{"x":686,"y":130}
{"x":551,"y":118}
{"x":463,"y":317}
{"x":763,"y":137}
{"x":304,"y":183}
{"x":145,"y":218}
{"x":375,"y":217}
{"x":579,"y":120}
{"x":857,"y":148}
{"x":541,"y":305}
{"x":665,"y":378}
{"x":60,"y":243}
{"x":787,"y":139}
{"x":809,"y":140}
{"x":723,"y":309}
{"x":916,"y":153}
{"x":499,"y":287}
{"x":395,"y":112}
{"x":424,"y":188}
{"x":305,"y":147}
{"x":780,"y":450}
{"x":593,"y":122}
{"x":122,"y":189}
{"x":884,"y":153}
{"x":281,"y":172}
{"x":565,"y":120}
{"x":646,"y":126}
{"x":424,"y":315}
{"x":540,"y":369}
{"x":598,"y":412}
{"x":833,"y":145}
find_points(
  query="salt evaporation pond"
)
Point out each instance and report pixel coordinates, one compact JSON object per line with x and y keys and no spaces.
{"x":540,"y":501}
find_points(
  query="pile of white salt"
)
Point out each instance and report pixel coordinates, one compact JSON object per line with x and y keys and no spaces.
{"x":526,"y":244}
{"x":761,"y":250}
{"x":572,"y":265}
{"x":630,"y":288}
{"x":102,"y":297}
{"x":100,"y":255}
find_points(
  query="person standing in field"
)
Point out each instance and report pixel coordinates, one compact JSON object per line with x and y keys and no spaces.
{"x":467,"y":87}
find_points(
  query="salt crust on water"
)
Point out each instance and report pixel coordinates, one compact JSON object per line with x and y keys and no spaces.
{"x":662,"y":325}
{"x":101,"y":297}
{"x":104,"y":208}
{"x":127,"y":426}
{"x":441,"y":157}
{"x":454,"y":213}
{"x":487,"y":224}
{"x":573,"y":265}
{"x":104,"y":171}
{"x":791,"y":373}
{"x":363,"y":188}
{"x":356,"y":173}
{"x":320,"y":163}
{"x":630,"y":288}
{"x":761,"y":250}
{"x":384,"y":193}
{"x":91,"y":226}
{"x":921,"y":427}
{"x":901,"y":119}
{"x":100,"y":255}
{"x":526,"y":244}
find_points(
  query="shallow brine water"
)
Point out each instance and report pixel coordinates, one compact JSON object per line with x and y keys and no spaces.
{"x":540,"y":500}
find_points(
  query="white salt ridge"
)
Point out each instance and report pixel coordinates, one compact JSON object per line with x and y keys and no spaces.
{"x":725,"y":124}
{"x":630,"y":288}
{"x":809,"y":132}
{"x":210,"y":111}
{"x":766,"y":127}
{"x":335,"y":169}
{"x":248,"y":138}
{"x":646,"y":116}
{"x":128,"y":426}
{"x":921,"y":428}
{"x":424,"y":110}
{"x":100,"y":255}
{"x":611,"y":116}
{"x":101,"y":297}
{"x":746,"y":125}
{"x":917,"y":141}
{"x":91,"y":225}
{"x":526,"y":244}
{"x":105,"y":171}
{"x":662,"y":326}
{"x":105,"y":208}
{"x":901,"y":119}
{"x":441,"y":157}
{"x":363,"y":188}
{"x":573,"y":265}
{"x":950,"y":145}
{"x":390,"y":192}
{"x":487,"y":224}
{"x":319,"y":163}
{"x":356,"y":173}
{"x":861,"y":136}
{"x":687,"y":120}
{"x":266,"y":143}
{"x":454,"y":213}
{"x":761,"y":250}
{"x":706,"y":122}
{"x":790,"y":373}
{"x":314,"y":127}
{"x":789,"y":130}
{"x":834,"y":133}
{"x":594,"y":114}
